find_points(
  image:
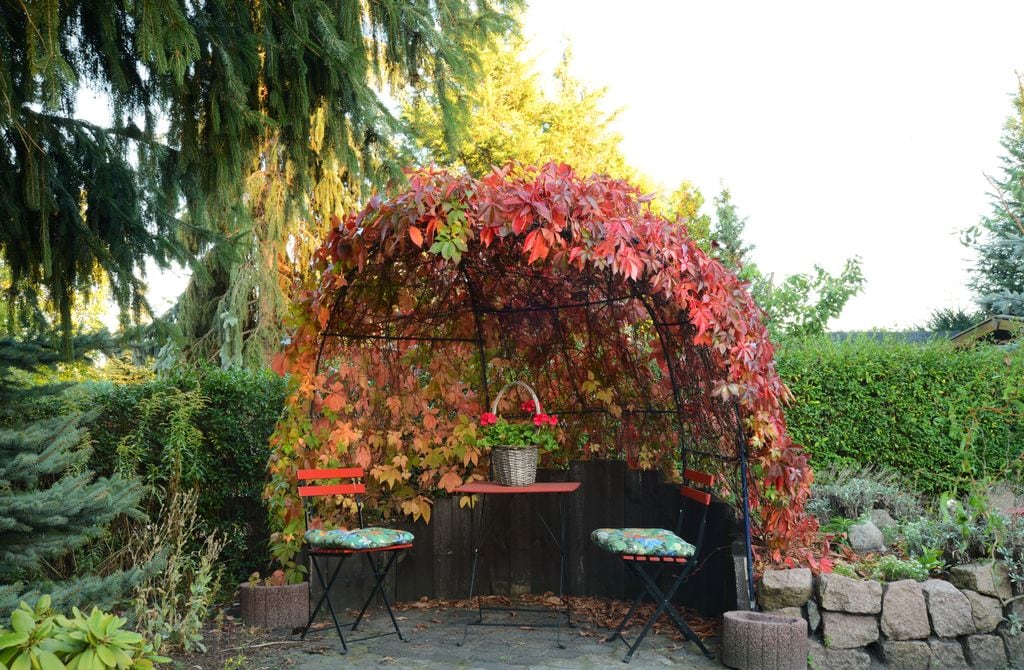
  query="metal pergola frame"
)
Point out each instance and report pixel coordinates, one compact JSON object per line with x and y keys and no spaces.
{"x":664,"y":318}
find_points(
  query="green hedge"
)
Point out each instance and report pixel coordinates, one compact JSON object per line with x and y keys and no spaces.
{"x":220,"y":422}
{"x":906,"y":406}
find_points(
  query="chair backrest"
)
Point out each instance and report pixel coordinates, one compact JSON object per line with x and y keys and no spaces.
{"x":355,"y":488}
{"x":699,"y":493}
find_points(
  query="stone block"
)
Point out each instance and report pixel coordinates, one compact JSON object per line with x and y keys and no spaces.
{"x":904,"y":611}
{"x":785,"y":588}
{"x":865,"y":537}
{"x":987,"y":612}
{"x":825,"y":658}
{"x":853,"y":596}
{"x":989,"y":578}
{"x":947,"y":654}
{"x":847,"y":631}
{"x":813,"y":616}
{"x":906,"y":654}
{"x":1014,"y":645}
{"x":882,"y":519}
{"x":948,"y":609}
{"x":985,"y":651}
{"x":764,"y":641}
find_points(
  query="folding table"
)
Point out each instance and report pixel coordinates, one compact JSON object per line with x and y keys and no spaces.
{"x":484,"y":489}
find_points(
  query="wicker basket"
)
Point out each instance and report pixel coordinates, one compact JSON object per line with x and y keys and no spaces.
{"x":514,"y":466}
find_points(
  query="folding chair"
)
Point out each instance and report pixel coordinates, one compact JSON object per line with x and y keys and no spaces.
{"x":659,"y":549}
{"x":373,"y":543}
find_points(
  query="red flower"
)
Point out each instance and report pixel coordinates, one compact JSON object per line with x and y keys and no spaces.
{"x":488,"y":419}
{"x":540,"y":419}
{"x":552,"y":420}
{"x":528,"y":406}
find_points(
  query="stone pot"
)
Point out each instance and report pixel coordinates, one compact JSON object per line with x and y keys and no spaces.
{"x":285,"y":606}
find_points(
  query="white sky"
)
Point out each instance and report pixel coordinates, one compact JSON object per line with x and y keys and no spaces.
{"x":841,"y":128}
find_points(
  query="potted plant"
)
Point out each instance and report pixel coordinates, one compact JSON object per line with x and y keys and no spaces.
{"x":272,"y":603}
{"x":514,"y":446}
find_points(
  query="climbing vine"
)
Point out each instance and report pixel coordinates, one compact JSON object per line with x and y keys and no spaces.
{"x":643,"y":346}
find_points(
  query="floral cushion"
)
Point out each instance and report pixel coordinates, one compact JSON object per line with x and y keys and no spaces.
{"x":359,"y":538}
{"x":641,"y":542}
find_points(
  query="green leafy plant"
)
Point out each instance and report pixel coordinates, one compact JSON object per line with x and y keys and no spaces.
{"x":891,"y":568}
{"x":498,"y":432}
{"x":931,"y":560}
{"x":42,"y":640}
{"x":172,"y":605}
{"x":845,"y":570}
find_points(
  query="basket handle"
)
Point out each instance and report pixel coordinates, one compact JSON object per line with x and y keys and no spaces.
{"x":501,"y":393}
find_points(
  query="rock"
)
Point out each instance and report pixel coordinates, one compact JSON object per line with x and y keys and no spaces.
{"x":987,"y":612}
{"x":854,"y":596}
{"x":1014,"y":645}
{"x":787,"y":611}
{"x":985,"y":651}
{"x":906,"y":654}
{"x":785,"y":588}
{"x":813,"y":615}
{"x":947,"y":654}
{"x":990,"y":578}
{"x":847,"y":631}
{"x":882,"y":519}
{"x":865,"y":537}
{"x":904,"y":611}
{"x":763,"y":641}
{"x":948,"y":609}
{"x":1003,"y":498}
{"x":824,"y":658}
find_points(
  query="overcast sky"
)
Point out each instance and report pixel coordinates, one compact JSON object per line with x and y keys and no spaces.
{"x":841,"y":128}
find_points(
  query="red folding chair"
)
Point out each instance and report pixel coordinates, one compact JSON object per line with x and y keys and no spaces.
{"x":658,"y":549}
{"x":374,"y":543}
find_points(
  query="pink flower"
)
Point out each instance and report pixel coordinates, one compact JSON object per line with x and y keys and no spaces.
{"x":488,"y":419}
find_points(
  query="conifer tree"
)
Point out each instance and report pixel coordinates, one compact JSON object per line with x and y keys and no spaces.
{"x":998,"y":276}
{"x":201,"y":97}
{"x":50,"y":504}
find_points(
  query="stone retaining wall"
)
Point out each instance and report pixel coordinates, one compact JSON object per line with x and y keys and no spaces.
{"x":860,"y":623}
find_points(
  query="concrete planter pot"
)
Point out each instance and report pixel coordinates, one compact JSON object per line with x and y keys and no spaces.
{"x":759,"y":641}
{"x":272,"y":607}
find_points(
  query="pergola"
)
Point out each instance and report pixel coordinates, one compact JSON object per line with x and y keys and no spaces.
{"x":646,"y":348}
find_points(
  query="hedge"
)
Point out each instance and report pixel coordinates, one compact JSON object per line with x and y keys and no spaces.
{"x":937,"y":414}
{"x":221,"y":421}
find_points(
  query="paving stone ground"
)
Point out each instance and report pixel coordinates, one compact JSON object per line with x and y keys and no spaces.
{"x":433,"y":644}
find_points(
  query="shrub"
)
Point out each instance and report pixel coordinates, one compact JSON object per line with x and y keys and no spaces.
{"x":853,"y":492}
{"x":39,"y":638}
{"x":893,"y":568}
{"x":936,"y":414}
{"x":207,"y":429}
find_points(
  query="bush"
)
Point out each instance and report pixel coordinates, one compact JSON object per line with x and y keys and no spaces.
{"x":936,"y":414}
{"x":207,"y":429}
{"x":853,"y":493}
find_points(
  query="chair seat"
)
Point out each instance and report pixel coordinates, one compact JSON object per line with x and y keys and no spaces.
{"x":359,"y":538}
{"x":641,"y":542}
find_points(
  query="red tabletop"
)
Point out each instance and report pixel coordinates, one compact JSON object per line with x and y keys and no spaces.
{"x":538,"y":487}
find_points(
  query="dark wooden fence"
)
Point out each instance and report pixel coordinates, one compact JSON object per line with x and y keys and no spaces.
{"x":519,"y":556}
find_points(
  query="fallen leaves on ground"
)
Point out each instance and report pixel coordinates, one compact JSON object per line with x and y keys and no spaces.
{"x":603,"y":612}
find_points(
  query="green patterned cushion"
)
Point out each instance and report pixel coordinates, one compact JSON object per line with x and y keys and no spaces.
{"x":641,"y":542}
{"x":359,"y":538}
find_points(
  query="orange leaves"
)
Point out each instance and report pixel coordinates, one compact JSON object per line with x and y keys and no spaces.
{"x":334,"y":402}
{"x":570,"y":240}
{"x":450,"y":480}
{"x":418,"y":508}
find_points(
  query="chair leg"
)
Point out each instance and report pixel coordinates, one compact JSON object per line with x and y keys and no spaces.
{"x":325,"y":597}
{"x":665,"y":606}
{"x":632,"y":610}
{"x":378,"y":587}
